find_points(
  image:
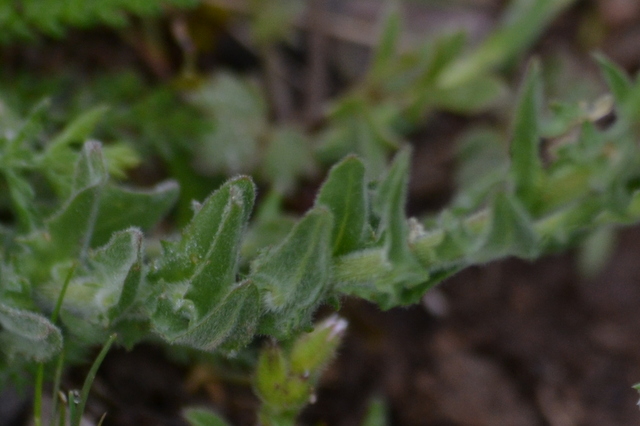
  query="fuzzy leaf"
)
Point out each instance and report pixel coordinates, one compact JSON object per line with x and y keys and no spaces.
{"x":389,"y":204}
{"x":272,"y":373}
{"x":237,"y":313}
{"x":216,"y":265}
{"x":312,"y":351}
{"x":398,"y":270}
{"x":70,"y":229}
{"x":344,"y":193}
{"x":182,"y":258}
{"x":119,"y":265}
{"x":211,"y":309}
{"x":294,"y":276}
{"x":28,"y":334}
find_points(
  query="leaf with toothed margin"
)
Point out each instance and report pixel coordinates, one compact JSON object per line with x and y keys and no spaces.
{"x":294,"y":276}
{"x":344,"y":193}
{"x":121,"y":208}
{"x":28,"y":334}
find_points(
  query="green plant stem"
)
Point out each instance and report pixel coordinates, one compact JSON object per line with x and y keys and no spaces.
{"x":56,"y":383}
{"x":579,"y":214}
{"x":62,"y":417}
{"x":37,"y":403}
{"x":63,"y":292}
{"x":88,"y":381}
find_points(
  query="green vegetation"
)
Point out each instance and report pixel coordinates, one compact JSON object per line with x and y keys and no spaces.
{"x":80,"y":264}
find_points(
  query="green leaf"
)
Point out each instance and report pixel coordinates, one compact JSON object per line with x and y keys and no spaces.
{"x":120,"y":157}
{"x":312,"y":351}
{"x":122,"y":207}
{"x":445,"y":49}
{"x":118,"y":266}
{"x":522,"y":24}
{"x":203,"y":417}
{"x":201,"y":306}
{"x":389,"y":204}
{"x":22,"y":197}
{"x":526,"y":166}
{"x":70,"y":230}
{"x":234,"y":318}
{"x":344,"y":193}
{"x":294,"y":276}
{"x":617,"y":80}
{"x":386,"y":51}
{"x":183,"y":257}
{"x":28,"y":334}
{"x":271,"y":375}
{"x":399,"y":272}
{"x":473,"y":97}
{"x":77,"y":131}
{"x":269,"y":226}
{"x":216,"y":258}
{"x":510,"y":233}
{"x":30,"y":128}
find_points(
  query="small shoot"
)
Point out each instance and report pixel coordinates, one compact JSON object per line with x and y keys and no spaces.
{"x":78,"y":401}
{"x":285,"y":380}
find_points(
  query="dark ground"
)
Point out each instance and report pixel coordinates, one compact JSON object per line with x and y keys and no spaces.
{"x":509,"y":343}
